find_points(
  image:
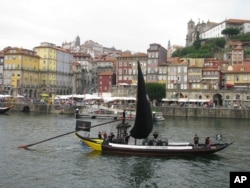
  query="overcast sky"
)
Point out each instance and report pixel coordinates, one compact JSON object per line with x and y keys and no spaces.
{"x":123,"y":24}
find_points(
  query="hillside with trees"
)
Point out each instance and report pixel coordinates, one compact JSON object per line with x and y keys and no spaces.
{"x":201,"y":48}
{"x":208,"y":47}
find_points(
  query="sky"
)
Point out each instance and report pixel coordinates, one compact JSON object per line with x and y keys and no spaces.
{"x":124,"y":24}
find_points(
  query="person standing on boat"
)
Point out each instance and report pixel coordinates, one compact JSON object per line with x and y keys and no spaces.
{"x":155,"y":135}
{"x":207,"y":142}
{"x":123,"y":116}
{"x":126,"y":138}
{"x":196,"y":141}
{"x":105,"y":135}
{"x":111,"y":137}
{"x":99,"y":135}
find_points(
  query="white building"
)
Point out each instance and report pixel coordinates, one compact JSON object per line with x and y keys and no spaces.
{"x":215,"y":32}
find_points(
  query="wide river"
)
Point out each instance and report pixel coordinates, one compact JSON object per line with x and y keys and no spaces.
{"x":64,"y":162}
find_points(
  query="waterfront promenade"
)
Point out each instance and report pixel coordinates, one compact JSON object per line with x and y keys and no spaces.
{"x":172,"y":111}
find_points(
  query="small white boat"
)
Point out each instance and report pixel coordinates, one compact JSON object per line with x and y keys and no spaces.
{"x":158,"y":116}
{"x":5,"y":109}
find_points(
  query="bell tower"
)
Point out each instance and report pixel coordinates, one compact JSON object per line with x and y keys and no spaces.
{"x":190,"y":31}
{"x":78,"y":43}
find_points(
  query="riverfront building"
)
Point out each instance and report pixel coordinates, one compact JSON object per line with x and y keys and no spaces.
{"x":84,"y":73}
{"x":106,"y":80}
{"x":21,"y":72}
{"x":55,"y":68}
{"x":126,"y":68}
{"x":77,"y":68}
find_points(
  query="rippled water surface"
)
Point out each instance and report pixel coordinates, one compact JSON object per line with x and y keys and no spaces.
{"x":64,"y":162}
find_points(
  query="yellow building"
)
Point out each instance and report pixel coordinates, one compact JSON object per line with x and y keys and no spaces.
{"x":47,"y":68}
{"x":237,"y":76}
{"x":55,"y":70}
{"x":195,"y":66}
{"x":21,"y":68}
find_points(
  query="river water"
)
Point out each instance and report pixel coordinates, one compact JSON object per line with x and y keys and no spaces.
{"x":64,"y":162}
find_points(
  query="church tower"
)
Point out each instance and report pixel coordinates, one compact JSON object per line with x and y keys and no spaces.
{"x":190,"y":32}
{"x":169,"y":50}
{"x":78,"y":43}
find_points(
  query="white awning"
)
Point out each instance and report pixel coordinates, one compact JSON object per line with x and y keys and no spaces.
{"x":122,"y":84}
{"x":193,"y":100}
{"x":210,"y":78}
{"x":166,"y":100}
{"x":5,"y":96}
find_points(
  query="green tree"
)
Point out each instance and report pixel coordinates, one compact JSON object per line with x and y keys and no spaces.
{"x":230,"y":31}
{"x":156,"y":91}
{"x":241,"y":37}
{"x":197,"y":44}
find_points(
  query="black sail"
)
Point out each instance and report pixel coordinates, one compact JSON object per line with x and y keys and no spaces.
{"x":143,"y":120}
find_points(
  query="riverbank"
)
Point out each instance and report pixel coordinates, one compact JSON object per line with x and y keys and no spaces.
{"x":166,"y":110}
{"x":204,"y":112}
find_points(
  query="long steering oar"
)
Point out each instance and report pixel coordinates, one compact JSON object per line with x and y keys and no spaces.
{"x":26,"y":146}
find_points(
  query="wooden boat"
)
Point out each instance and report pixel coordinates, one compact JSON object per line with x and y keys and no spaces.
{"x":5,"y":109}
{"x":142,"y":128}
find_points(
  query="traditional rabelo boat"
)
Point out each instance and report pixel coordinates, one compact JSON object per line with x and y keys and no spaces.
{"x":142,"y":128}
{"x":5,"y":109}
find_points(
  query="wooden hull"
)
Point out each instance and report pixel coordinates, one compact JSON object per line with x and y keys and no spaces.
{"x":161,"y":150}
{"x":169,"y":150}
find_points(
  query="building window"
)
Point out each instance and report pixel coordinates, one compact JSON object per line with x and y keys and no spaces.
{"x":236,"y":78}
{"x":237,"y":96}
{"x":244,"y":77}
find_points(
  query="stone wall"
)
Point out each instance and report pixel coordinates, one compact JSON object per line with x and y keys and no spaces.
{"x":167,"y":111}
{"x":204,"y":112}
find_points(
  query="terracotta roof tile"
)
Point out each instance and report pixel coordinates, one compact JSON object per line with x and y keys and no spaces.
{"x":239,"y":68}
{"x":232,"y":20}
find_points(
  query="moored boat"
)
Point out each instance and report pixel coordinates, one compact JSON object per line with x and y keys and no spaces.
{"x":108,"y":113}
{"x":5,"y":109}
{"x":141,"y":130}
{"x":158,"y":116}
